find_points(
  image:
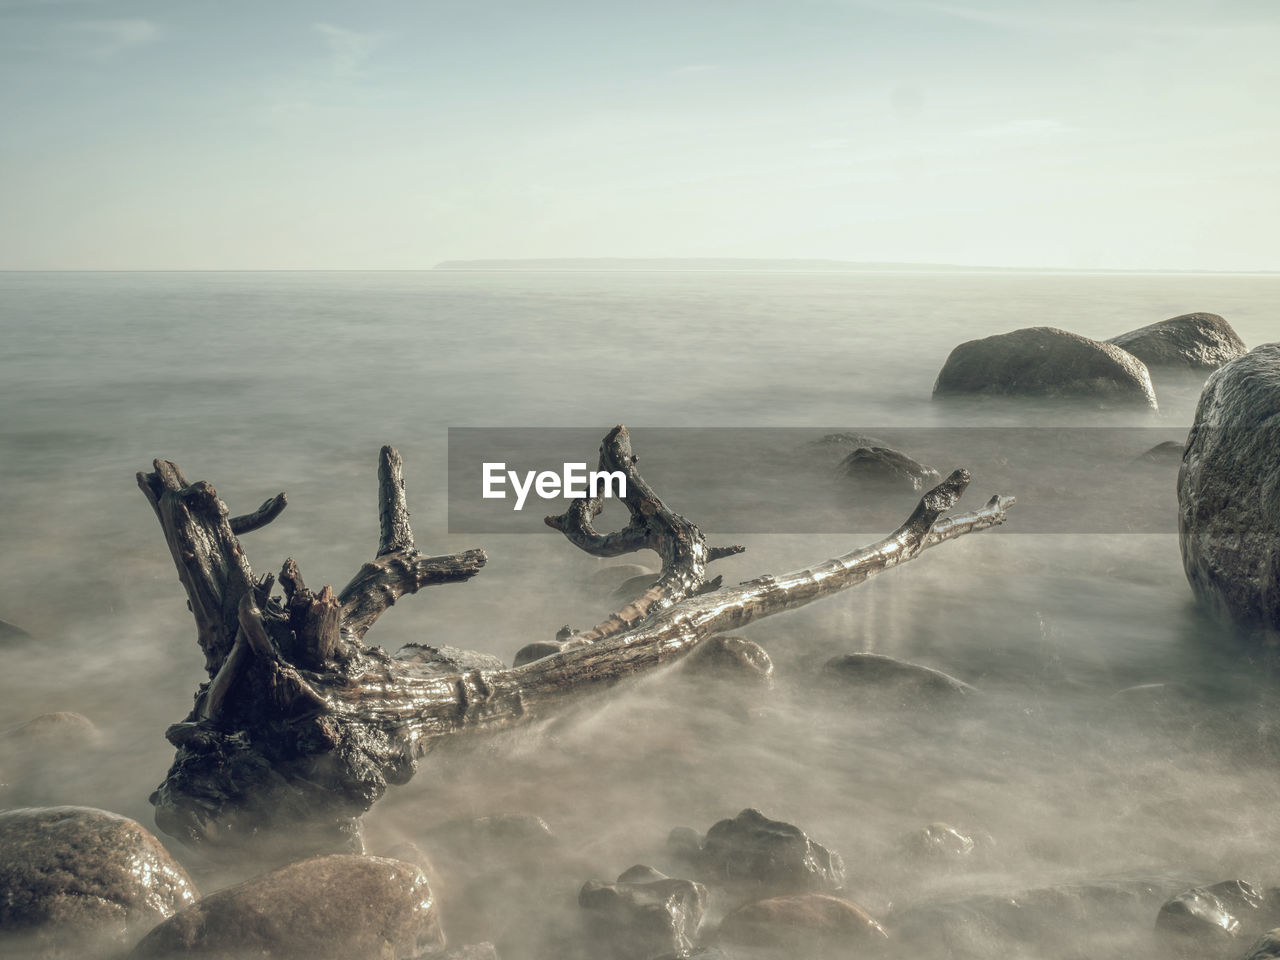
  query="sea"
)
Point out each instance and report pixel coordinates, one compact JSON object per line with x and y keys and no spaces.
{"x":1122,"y":746}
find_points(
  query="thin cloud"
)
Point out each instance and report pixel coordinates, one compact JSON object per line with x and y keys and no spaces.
{"x":349,"y":50}
{"x":106,"y":39}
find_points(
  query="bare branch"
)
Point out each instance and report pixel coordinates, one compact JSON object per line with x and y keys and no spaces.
{"x":393,"y":510}
{"x":269,"y":510}
{"x":380,"y":583}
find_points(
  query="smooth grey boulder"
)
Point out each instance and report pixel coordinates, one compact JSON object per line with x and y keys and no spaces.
{"x":11,"y":632}
{"x":1201,"y":341}
{"x":76,"y":882}
{"x":1207,"y":921}
{"x":1229,"y":491}
{"x":770,"y":857}
{"x":645,"y":913}
{"x":890,"y":676}
{"x":887,"y":468}
{"x":1169,"y":452}
{"x":336,"y":907}
{"x":802,"y":921}
{"x":1045,"y":362}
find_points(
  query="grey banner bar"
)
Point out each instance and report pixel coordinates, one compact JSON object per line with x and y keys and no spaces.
{"x":799,"y":480}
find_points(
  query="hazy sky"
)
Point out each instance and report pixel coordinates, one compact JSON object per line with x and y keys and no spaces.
{"x":221,"y":134}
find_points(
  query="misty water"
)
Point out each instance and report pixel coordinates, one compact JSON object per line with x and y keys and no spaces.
{"x":263,"y":382}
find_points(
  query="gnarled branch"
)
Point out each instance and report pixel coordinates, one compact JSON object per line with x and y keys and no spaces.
{"x":302,"y":727}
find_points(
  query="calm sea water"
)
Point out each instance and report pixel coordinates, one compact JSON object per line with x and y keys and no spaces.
{"x":291,"y":381}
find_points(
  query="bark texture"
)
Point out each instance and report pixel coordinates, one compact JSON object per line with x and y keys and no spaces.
{"x":301,"y":726}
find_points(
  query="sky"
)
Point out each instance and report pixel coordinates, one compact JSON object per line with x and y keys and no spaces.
{"x":393,"y":134}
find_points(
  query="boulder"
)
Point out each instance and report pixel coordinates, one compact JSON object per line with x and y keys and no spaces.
{"x":767,"y":856}
{"x":335,"y":907}
{"x":446,"y":660}
{"x":806,"y":920}
{"x":734,"y":659}
{"x":1229,"y":491}
{"x":11,"y":632}
{"x":1205,"y":921}
{"x":76,"y":882}
{"x":51,"y":730}
{"x":645,"y":913}
{"x":888,"y":675}
{"x":887,"y":469}
{"x":615,"y":574}
{"x":1201,"y":341}
{"x":1045,"y":362}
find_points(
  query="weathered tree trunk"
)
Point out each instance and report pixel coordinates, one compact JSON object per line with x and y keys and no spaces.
{"x":301,"y":727}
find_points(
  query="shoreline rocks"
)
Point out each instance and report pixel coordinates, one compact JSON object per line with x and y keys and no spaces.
{"x":334,"y":907}
{"x":78,"y":882}
{"x":1045,"y":362}
{"x":1229,"y":492}
{"x":1199,"y":341}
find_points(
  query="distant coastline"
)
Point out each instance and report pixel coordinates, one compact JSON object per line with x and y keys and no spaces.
{"x":694,"y":264}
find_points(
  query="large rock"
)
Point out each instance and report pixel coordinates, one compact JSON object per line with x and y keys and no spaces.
{"x":1209,"y":921}
{"x":806,"y":920}
{"x":645,"y":913}
{"x":76,"y":882}
{"x":1229,"y":491}
{"x":337,"y":907}
{"x":767,"y":856}
{"x":887,"y":469}
{"x":1201,"y":341}
{"x":1266,"y":947}
{"x":1046,"y":362}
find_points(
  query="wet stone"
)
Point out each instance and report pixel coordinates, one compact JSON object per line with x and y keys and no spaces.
{"x":1045,"y":362}
{"x":635,"y":586}
{"x":616,"y":574}
{"x":887,"y":469}
{"x":802,"y":921}
{"x":768,"y":856}
{"x":889,"y":675}
{"x":735,"y":659}
{"x":1211,"y":919}
{"x":940,"y":841}
{"x":51,"y":730}
{"x":336,"y":907}
{"x":644,"y":913}
{"x":1266,"y":947}
{"x":12,"y":633}
{"x":1201,"y":341}
{"x":1229,"y":492}
{"x":76,"y":882}
{"x":1168,"y":452}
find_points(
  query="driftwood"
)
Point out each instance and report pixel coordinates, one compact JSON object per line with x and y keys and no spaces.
{"x":301,"y":727}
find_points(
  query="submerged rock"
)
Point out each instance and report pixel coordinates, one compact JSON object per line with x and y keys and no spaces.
{"x":447,"y":660}
{"x":769,"y":856}
{"x":1266,"y":947}
{"x":1229,"y":491}
{"x":614,"y":575}
{"x":735,"y":659}
{"x":336,"y":907}
{"x":61,"y":729}
{"x":884,"y":675}
{"x":887,"y":468}
{"x":11,"y":632}
{"x":1168,"y":452}
{"x":1201,"y":341}
{"x":645,"y":913}
{"x":940,"y":841}
{"x":802,"y":921}
{"x":1209,"y":920}
{"x":1046,"y":362}
{"x":77,"y":882}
